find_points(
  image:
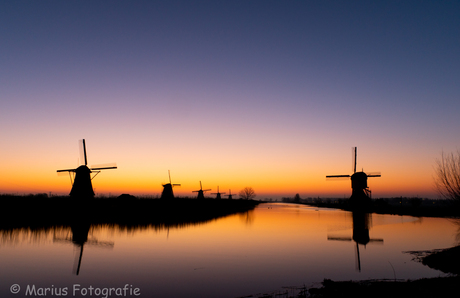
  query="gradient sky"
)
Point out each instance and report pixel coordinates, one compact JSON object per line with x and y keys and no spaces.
{"x":268,"y":94}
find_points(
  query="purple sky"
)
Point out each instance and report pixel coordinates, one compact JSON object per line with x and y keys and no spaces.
{"x":229,"y":92}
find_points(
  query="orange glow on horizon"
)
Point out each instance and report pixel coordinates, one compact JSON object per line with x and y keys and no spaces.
{"x":270,"y":178}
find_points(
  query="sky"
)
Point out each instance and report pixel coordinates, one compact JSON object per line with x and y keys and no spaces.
{"x":267,"y":94}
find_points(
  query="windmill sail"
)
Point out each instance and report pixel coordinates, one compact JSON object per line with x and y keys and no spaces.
{"x":168,"y":188}
{"x":360,"y":191}
{"x":201,"y":192}
{"x":82,"y":186}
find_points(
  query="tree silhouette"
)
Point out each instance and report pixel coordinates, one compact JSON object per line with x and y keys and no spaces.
{"x":247,"y":193}
{"x":447,"y":176}
{"x":297,"y":198}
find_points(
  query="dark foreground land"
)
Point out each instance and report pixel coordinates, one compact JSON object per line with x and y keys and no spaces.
{"x":445,"y":260}
{"x":128,"y":211}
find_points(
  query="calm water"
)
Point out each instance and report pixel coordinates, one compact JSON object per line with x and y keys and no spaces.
{"x":275,"y":245}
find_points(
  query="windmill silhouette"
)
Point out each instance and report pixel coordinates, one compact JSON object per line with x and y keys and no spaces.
{"x":230,"y":196}
{"x":360,"y":191}
{"x":218,"y":197}
{"x":81,"y":184}
{"x":360,"y":235}
{"x":79,"y":238}
{"x":168,"y":189}
{"x":201,"y":192}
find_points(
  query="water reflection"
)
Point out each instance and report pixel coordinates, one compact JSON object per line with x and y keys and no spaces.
{"x":79,"y":238}
{"x":273,"y":246}
{"x":361,"y":225}
{"x":247,"y":217}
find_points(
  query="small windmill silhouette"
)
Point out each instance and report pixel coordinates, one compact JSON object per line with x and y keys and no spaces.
{"x":81,"y":184}
{"x":360,"y":190}
{"x":168,"y":189}
{"x":201,"y":192}
{"x":218,"y":197}
{"x":230,"y":196}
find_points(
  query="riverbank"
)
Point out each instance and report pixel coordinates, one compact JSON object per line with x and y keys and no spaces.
{"x":395,"y":206}
{"x":429,"y":287}
{"x":39,"y":212}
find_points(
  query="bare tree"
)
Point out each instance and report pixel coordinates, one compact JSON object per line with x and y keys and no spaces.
{"x":247,"y":193}
{"x":297,"y":198}
{"x":447,"y":176}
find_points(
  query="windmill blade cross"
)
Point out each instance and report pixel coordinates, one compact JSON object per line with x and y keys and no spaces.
{"x":103,"y":168}
{"x":338,"y":176}
{"x":339,"y":238}
{"x":83,"y":152}
{"x":354,"y":157}
{"x":374,"y":174}
{"x":67,"y":170}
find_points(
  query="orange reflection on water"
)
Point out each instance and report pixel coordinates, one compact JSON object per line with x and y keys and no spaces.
{"x":258,"y":251}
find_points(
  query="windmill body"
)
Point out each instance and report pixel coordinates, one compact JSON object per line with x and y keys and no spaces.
{"x":230,"y":196}
{"x":168,"y":189}
{"x":360,"y":195}
{"x":201,"y":192}
{"x":82,"y":186}
{"x":167,"y":192}
{"x":218,"y":194}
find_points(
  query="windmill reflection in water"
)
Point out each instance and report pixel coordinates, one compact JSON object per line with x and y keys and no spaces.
{"x":361,"y":224}
{"x":79,"y":238}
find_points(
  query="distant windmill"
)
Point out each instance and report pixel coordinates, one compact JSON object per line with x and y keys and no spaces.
{"x":230,"y":196}
{"x":218,"y":197}
{"x":201,"y":192}
{"x":81,"y":184}
{"x":360,"y":190}
{"x":168,"y":189}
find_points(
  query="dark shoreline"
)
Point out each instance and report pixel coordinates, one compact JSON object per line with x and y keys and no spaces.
{"x":397,"y":206}
{"x":41,"y":212}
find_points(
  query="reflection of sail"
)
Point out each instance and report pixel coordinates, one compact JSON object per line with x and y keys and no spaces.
{"x":360,"y":234}
{"x":79,"y":238}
